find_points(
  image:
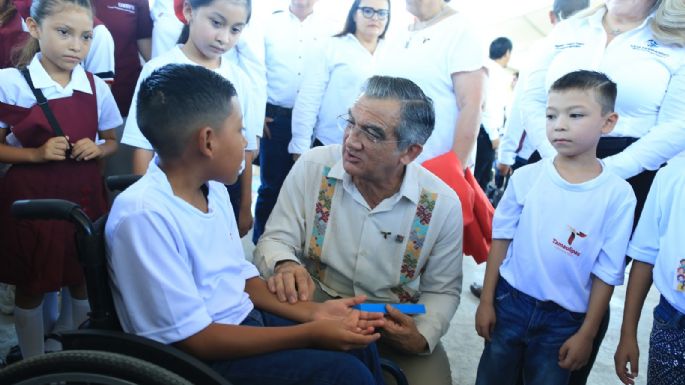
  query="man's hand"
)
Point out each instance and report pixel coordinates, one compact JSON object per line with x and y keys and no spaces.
{"x":291,"y":282}
{"x":575,"y":352}
{"x":627,"y":352}
{"x":504,"y":169}
{"x":266,"y":131}
{"x":401,"y":333}
{"x":485,"y":319}
{"x":86,"y":149}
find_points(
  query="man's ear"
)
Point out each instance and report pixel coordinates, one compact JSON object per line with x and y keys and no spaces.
{"x":33,"y":27}
{"x":610,"y":122}
{"x":204,"y":138}
{"x":411,"y":153}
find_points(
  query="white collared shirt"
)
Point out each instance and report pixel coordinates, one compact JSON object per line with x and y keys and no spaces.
{"x":651,"y":84}
{"x":174,"y":269}
{"x":360,"y":259}
{"x":134,"y":137}
{"x":513,"y":130}
{"x":496,"y":93}
{"x":659,"y":233}
{"x":330,"y":86}
{"x":429,"y":58}
{"x":563,"y":233}
{"x":288,"y":44}
{"x":15,"y":91}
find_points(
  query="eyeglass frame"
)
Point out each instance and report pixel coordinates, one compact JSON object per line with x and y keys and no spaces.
{"x":382,"y":14}
{"x":345,"y":123}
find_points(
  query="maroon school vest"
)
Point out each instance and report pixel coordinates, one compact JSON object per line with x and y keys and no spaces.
{"x":41,"y":255}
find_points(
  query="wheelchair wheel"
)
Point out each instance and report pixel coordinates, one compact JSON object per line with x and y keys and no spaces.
{"x":87,"y":367}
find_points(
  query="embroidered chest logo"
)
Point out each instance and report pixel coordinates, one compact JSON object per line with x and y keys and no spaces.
{"x":680,"y":277}
{"x":567,"y":246}
{"x":129,"y":8}
{"x":651,"y":46}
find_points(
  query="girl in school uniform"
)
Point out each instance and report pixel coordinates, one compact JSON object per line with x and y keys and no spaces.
{"x":213,"y":28}
{"x":50,"y":147}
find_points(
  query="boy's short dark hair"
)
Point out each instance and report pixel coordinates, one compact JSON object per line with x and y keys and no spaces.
{"x":176,"y":100}
{"x":499,"y":47}
{"x":604,"y":88}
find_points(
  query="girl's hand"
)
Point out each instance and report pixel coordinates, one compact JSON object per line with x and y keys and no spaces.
{"x":627,"y":352}
{"x":54,"y":149}
{"x":86,"y":149}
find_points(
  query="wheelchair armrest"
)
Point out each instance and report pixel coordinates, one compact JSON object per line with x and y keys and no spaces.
{"x":120,"y":182}
{"x":162,"y":355}
{"x":394,"y":370}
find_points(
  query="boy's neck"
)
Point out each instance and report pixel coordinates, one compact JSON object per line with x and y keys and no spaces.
{"x":186,"y":183}
{"x":578,"y":169}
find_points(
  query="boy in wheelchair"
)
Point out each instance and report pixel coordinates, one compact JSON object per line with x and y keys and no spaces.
{"x":177,"y":267}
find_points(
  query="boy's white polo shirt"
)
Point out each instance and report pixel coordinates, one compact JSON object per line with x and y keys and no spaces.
{"x":174,"y":269}
{"x":563,"y":233}
{"x":659,"y":233}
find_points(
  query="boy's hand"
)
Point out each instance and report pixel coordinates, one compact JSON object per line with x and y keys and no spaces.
{"x":290,"y":282}
{"x":575,"y":352}
{"x":343,"y":334}
{"x":627,"y":352}
{"x":401,"y":332}
{"x":54,"y":149}
{"x":340,"y":309}
{"x":85,"y":149}
{"x":485,"y":319}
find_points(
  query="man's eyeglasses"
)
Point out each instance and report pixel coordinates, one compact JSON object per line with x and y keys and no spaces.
{"x":368,"y":13}
{"x":348,"y":125}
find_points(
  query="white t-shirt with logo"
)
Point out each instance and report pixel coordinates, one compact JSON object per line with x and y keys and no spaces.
{"x":658,"y":236}
{"x":563,"y":233}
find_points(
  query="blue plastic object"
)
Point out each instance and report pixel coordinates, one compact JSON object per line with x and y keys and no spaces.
{"x":406,"y":308}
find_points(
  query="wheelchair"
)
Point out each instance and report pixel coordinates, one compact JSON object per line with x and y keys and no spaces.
{"x":100,"y":352}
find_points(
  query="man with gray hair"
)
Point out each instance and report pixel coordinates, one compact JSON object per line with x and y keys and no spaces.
{"x":363,"y":218}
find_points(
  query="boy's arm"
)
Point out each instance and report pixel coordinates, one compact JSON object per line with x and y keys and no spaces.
{"x":333,"y":325}
{"x":627,"y":351}
{"x":245,"y":219}
{"x":574,"y":353}
{"x":485,"y":314}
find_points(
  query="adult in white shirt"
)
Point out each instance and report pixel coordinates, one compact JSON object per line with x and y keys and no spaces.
{"x":291,"y":36}
{"x":639,"y":45}
{"x":499,"y":79}
{"x":515,"y":147}
{"x":334,"y":80}
{"x":364,"y":218}
{"x":443,"y":53}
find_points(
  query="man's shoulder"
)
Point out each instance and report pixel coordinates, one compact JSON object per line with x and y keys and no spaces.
{"x":326,"y":156}
{"x":427,"y":181}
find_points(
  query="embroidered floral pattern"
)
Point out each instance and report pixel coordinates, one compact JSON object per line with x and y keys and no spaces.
{"x":322,"y":215}
{"x":405,"y":294}
{"x":417,"y":236}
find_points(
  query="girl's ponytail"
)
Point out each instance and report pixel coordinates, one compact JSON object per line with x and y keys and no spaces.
{"x":22,"y":57}
{"x":185,"y":34}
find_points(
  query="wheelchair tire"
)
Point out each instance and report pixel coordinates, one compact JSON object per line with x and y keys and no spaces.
{"x":87,"y":366}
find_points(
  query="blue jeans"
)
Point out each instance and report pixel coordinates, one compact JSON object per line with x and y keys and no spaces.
{"x":667,"y":346}
{"x":274,"y":164}
{"x":527,"y":337}
{"x":301,"y":366}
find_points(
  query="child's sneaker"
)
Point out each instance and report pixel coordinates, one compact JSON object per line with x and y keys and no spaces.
{"x":6,"y":299}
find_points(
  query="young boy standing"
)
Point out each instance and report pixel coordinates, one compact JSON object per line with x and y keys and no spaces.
{"x":560,"y":235}
{"x":178,"y":270}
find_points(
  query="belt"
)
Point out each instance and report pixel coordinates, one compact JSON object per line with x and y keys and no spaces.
{"x":274,"y":111}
